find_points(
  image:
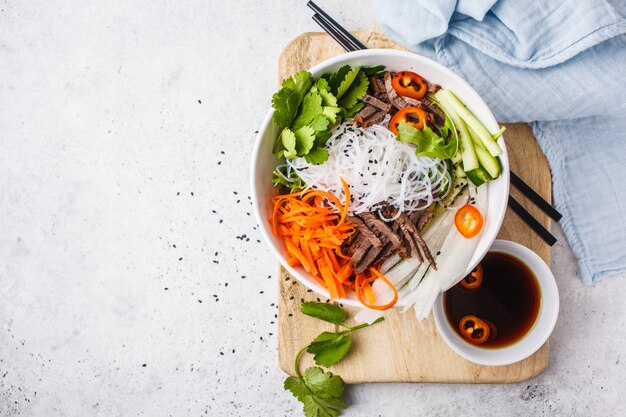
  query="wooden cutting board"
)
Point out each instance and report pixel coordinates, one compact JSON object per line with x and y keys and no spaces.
{"x":401,"y":349}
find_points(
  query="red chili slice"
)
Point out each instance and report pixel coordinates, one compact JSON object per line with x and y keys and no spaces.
{"x":409,"y":84}
{"x":413,"y":116}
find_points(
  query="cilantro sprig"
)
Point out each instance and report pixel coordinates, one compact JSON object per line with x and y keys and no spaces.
{"x":320,"y":392}
{"x":306,"y":110}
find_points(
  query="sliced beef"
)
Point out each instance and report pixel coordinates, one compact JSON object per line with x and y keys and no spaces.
{"x":360,"y":252}
{"x":379,"y":89}
{"x":387,"y":251}
{"x":376,"y":86}
{"x":373,"y":119}
{"x":355,"y":243}
{"x":409,"y":230}
{"x":397,"y":101}
{"x":423,"y":220}
{"x":434,"y":110}
{"x":381,"y":229}
{"x":386,"y":107}
{"x":366,"y":112}
{"x":367,"y":260}
{"x":365,"y":231}
{"x":433,"y":88}
{"x":422,"y":244}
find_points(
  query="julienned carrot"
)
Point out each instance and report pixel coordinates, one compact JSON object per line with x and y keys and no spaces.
{"x":361,"y":290}
{"x":313,"y":233}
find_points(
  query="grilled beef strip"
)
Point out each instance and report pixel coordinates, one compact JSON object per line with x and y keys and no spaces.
{"x":386,"y":107}
{"x":405,"y":250}
{"x":387,"y":251}
{"x":379,"y":89}
{"x":434,"y":110}
{"x":365,"y":231}
{"x":419,"y":240}
{"x":373,"y":119}
{"x":377,"y":225}
{"x":397,"y":101}
{"x":355,"y":243}
{"x":409,"y":231}
{"x":423,"y":220}
{"x":367,"y":260}
{"x":365,"y":112}
{"x":433,"y":88}
{"x":376,"y":87}
{"x":360,"y":249}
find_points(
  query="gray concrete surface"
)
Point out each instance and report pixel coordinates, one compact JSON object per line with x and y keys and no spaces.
{"x":132,"y":277}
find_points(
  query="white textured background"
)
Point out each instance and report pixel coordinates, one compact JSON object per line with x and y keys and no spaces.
{"x":132,"y":279}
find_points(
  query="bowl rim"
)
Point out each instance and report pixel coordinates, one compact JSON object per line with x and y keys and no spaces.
{"x":318,"y":70}
{"x":538,"y":334}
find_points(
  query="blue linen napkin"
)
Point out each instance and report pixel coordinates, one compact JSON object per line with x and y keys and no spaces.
{"x":560,"y":66}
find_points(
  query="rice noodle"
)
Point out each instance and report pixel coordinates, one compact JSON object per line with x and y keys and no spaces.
{"x":380,"y":171}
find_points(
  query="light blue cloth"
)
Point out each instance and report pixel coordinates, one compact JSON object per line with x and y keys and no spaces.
{"x":559,"y":65}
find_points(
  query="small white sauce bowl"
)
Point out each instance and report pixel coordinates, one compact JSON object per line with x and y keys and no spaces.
{"x":536,"y":336}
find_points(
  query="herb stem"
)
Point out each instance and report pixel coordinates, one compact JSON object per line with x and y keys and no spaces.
{"x":297,"y":362}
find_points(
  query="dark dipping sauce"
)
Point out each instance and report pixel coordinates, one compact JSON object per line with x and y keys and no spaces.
{"x":509,"y":297}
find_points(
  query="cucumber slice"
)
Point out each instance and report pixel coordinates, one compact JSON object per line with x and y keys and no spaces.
{"x":489,"y":163}
{"x":473,"y":124}
{"x":477,"y":176}
{"x":468,"y":155}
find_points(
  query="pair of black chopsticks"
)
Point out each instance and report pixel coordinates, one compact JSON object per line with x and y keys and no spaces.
{"x":350,"y":43}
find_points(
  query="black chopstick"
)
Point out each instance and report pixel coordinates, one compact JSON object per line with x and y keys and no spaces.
{"x":351,"y":40}
{"x":531,"y":221}
{"x":349,"y":43}
{"x":334,"y":34}
{"x":535,"y":198}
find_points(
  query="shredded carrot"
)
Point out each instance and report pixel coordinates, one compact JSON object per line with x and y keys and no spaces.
{"x":313,"y":227}
{"x":360,"y":283}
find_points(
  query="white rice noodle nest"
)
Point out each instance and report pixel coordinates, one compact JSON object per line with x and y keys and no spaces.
{"x":379,"y":170}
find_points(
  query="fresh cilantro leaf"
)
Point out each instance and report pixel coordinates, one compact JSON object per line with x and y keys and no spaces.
{"x":322,"y":85}
{"x":331,"y":313}
{"x":311,"y":107}
{"x":321,"y":137}
{"x":323,"y":384}
{"x":328,"y":99}
{"x":297,"y":386}
{"x":300,"y":82}
{"x":428,"y":142}
{"x":357,"y":91}
{"x":335,"y":79}
{"x":318,"y":407}
{"x":288,"y":139}
{"x":317,"y":156}
{"x":286,"y":101}
{"x":347,"y":81}
{"x":373,"y":70}
{"x":329,"y":348}
{"x":320,"y":392}
{"x":305,"y":139}
{"x":320,"y":122}
{"x":331,"y":113}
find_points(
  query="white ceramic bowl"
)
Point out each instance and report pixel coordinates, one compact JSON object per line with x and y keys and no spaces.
{"x":264,"y":162}
{"x":536,"y":336}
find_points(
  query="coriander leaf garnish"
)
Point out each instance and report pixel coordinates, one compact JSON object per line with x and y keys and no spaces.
{"x":335,"y":79}
{"x":305,"y":139}
{"x":357,"y":90}
{"x":320,"y":122}
{"x":320,"y":392}
{"x":288,"y":139}
{"x":374,"y":70}
{"x":329,"y":348}
{"x":287,"y":100}
{"x":347,"y":81}
{"x":311,"y":107}
{"x":328,"y":312}
{"x":317,"y":156}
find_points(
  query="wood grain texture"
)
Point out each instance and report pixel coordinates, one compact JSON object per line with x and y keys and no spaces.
{"x":401,"y":349}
